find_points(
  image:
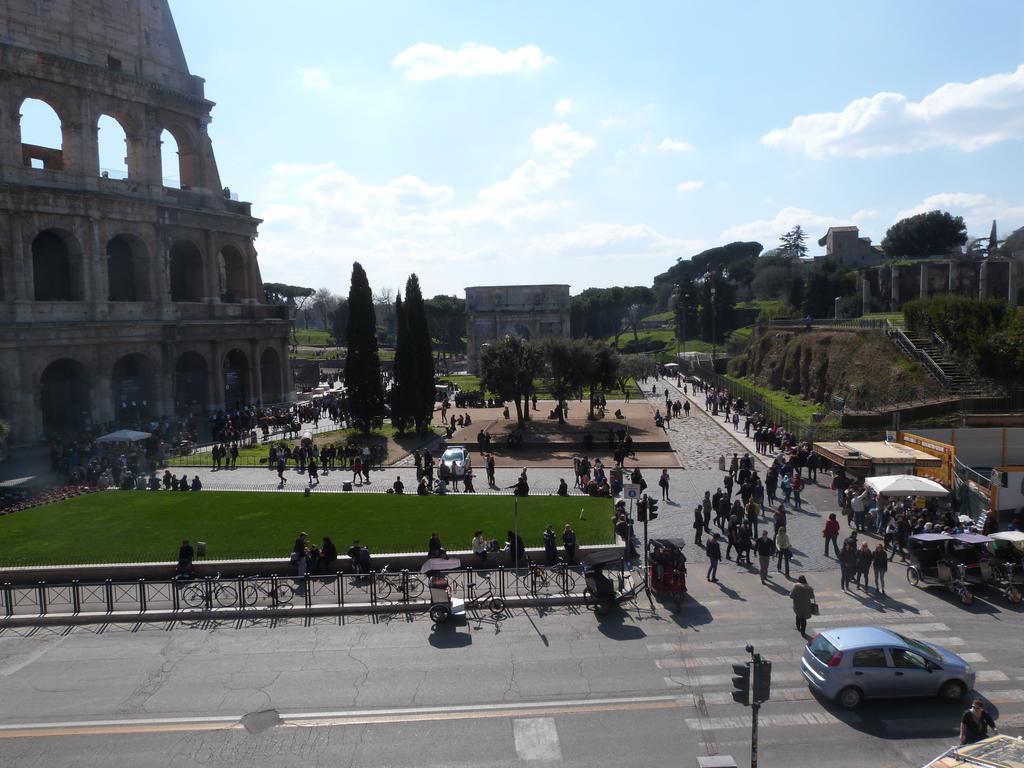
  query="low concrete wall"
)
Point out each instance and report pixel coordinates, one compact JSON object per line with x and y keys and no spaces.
{"x":63,"y":574}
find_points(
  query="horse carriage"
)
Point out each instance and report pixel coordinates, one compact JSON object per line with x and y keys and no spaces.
{"x":666,"y":568}
{"x":932,"y":564}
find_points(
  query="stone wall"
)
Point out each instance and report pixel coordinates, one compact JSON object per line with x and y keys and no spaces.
{"x":526,"y":311}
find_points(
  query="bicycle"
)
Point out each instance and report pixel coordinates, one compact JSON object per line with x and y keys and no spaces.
{"x":194,"y":594}
{"x":487,"y":599}
{"x":536,"y":579}
{"x":388,"y":582}
{"x":255,"y":586}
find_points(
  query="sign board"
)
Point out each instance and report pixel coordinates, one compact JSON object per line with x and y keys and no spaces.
{"x":630,"y":491}
{"x":943,"y":451}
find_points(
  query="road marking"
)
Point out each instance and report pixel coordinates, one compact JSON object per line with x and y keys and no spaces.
{"x":31,"y":657}
{"x":536,"y":738}
{"x":718,"y":645}
{"x":909,"y":629}
{"x":1005,"y":697}
{"x":343,"y":717}
{"x":743,"y":721}
{"x":873,"y":617}
{"x":991,"y":676}
{"x":972,"y":657}
{"x":782,"y":676}
{"x":719,"y":661}
{"x":778,"y":694}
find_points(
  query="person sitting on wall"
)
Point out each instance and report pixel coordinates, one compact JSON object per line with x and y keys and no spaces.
{"x":399,"y":486}
{"x":197,"y":484}
{"x":183,"y":483}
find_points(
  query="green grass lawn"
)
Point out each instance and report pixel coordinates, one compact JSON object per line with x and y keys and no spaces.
{"x":470,"y":383}
{"x":313,"y":338}
{"x":135,"y":526}
{"x":797,"y":407}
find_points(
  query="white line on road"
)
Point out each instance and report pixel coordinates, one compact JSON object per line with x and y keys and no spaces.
{"x":31,"y":657}
{"x":536,"y":738}
{"x":991,"y":676}
{"x":743,"y":721}
{"x":783,"y":676}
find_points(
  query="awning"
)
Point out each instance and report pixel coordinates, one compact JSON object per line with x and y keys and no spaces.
{"x":905,"y":485}
{"x":124,"y":436}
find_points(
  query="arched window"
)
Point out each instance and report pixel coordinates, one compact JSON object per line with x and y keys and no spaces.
{"x":186,"y":272}
{"x":127,"y":270}
{"x":169,"y":160}
{"x":236,"y":379}
{"x":270,"y":376}
{"x":113,"y":148}
{"x":231,"y":268}
{"x":42,"y":136}
{"x":64,"y":396}
{"x":53,"y":271}
{"x":191,"y":384}
{"x":131,"y":386}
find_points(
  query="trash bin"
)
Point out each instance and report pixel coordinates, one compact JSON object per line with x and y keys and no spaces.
{"x":200,"y":549}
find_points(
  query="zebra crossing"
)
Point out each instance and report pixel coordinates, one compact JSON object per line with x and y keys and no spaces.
{"x":698,"y":667}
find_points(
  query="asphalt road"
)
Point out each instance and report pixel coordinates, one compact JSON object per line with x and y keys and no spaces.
{"x":647,"y":687}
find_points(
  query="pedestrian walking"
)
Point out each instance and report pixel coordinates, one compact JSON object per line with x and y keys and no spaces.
{"x":879,"y":562}
{"x":797,"y":484}
{"x":975,"y":723}
{"x":698,"y":524}
{"x":280,"y":471}
{"x":311,"y":468}
{"x":663,"y":484}
{"x":706,"y":507}
{"x":686,"y":408}
{"x":783,"y":548}
{"x":847,"y":563}
{"x":765,"y":548}
{"x":864,"y":558}
{"x":714,"y":553}
{"x":357,"y":470}
{"x":803,"y":603}
{"x":550,"y":545}
{"x":831,"y":534}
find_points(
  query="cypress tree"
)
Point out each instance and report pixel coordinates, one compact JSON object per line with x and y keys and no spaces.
{"x":404,"y":380}
{"x":422,"y":395}
{"x":362,"y":363}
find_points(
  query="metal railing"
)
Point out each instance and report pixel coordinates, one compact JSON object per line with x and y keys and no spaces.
{"x":398,"y":590}
{"x":863,"y":323}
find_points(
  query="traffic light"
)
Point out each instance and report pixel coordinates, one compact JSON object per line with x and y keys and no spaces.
{"x":741,"y":683}
{"x":641,"y":509}
{"x":762,"y":681}
{"x":652,"y":509}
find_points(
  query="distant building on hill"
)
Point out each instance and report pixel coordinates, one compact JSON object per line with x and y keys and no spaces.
{"x":848,"y":249}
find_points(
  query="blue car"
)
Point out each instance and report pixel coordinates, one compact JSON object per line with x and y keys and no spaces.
{"x":850,"y":664}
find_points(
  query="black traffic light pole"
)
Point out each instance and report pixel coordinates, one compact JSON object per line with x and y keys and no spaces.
{"x":752,"y":686}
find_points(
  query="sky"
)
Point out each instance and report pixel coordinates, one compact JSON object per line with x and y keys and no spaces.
{"x":594,"y":143}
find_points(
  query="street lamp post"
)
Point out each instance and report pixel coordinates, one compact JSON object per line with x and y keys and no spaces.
{"x":714,"y":335}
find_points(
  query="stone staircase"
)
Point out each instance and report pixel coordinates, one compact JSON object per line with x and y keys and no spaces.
{"x":943,"y":367}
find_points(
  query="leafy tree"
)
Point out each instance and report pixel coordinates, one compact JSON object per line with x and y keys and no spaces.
{"x":404,"y":373}
{"x":446,"y":317}
{"x":793,"y":243}
{"x":717,"y":307}
{"x":631,"y":367}
{"x":735,"y":260}
{"x":926,"y":234}
{"x":823,"y":286}
{"x":796,"y":292}
{"x":570,"y":364}
{"x":339,"y":322}
{"x":292,"y":295}
{"x":602,"y":312}
{"x":508,"y":368}
{"x":362,"y":363}
{"x":323,"y":303}
{"x":603,"y":372}
{"x":422,"y":352}
{"x":686,"y":306}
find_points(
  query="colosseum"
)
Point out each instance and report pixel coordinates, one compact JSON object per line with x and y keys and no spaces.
{"x":130,"y":292}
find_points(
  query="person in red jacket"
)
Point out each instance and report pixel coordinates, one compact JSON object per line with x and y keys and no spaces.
{"x":831,"y":534}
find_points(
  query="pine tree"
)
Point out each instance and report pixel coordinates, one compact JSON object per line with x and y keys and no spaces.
{"x":421,"y":396}
{"x":362,"y":363}
{"x":402,"y":413}
{"x":793,"y":244}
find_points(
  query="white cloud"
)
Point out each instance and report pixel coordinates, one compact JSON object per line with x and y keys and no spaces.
{"x":313,"y":79}
{"x":962,"y":116}
{"x":601,"y":240}
{"x":556,"y":148}
{"x":427,"y":61}
{"x":767,"y":231}
{"x":675,"y":145}
{"x":563,"y":107}
{"x":690,"y":186}
{"x":978,"y":210}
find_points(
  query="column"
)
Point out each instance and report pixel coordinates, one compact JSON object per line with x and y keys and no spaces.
{"x":97,"y":288}
{"x":255,"y":373}
{"x":21,"y":279}
{"x":10,"y":144}
{"x":211,"y":289}
{"x":102,"y":393}
{"x":287,"y":380}
{"x":252,"y":272}
{"x":865,"y":293}
{"x":951,"y":274}
{"x":216,"y":376}
{"x":923,"y":290}
{"x":983,"y":280}
{"x":894,"y":289}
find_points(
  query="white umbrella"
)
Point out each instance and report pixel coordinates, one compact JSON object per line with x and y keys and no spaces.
{"x":905,"y":485}
{"x":124,"y":436}
{"x":441,"y":564}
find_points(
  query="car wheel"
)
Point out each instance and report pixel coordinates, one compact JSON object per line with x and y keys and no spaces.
{"x":952,"y":690}
{"x":1013,"y":595}
{"x":966,"y":597}
{"x":440,"y":613}
{"x":913,"y":575}
{"x":850,"y":697}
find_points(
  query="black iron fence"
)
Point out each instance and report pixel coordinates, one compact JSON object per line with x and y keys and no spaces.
{"x":382,"y":590}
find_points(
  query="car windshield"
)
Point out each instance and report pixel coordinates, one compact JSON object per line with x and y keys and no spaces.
{"x":920,"y":647}
{"x":452,"y":455}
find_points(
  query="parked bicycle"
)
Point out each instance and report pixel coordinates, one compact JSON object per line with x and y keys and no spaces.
{"x":480,"y":593}
{"x":255,"y":587}
{"x":388,"y":582}
{"x":193,"y":594}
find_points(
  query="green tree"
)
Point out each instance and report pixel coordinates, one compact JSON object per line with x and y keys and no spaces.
{"x":339,"y":322}
{"x":793,"y":243}
{"x":570,"y":365}
{"x":404,"y":373}
{"x":446,"y":317}
{"x":934,"y":233}
{"x":603,"y":372}
{"x":508,"y":368}
{"x":422,"y":349}
{"x":796,"y":292}
{"x":717,"y":307}
{"x":362,"y":363}
{"x":823,"y":286}
{"x":633,"y":367}
{"x":686,"y":306}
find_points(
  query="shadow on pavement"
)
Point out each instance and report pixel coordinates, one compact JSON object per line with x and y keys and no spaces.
{"x":614,"y":627}
{"x":893,"y":719}
{"x":447,"y":635}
